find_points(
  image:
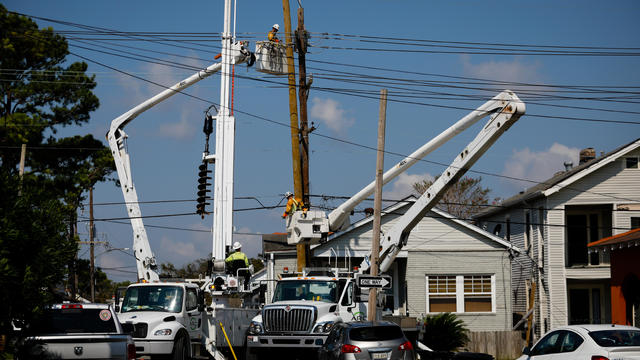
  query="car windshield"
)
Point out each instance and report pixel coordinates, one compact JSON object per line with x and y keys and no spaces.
{"x":375,"y":333}
{"x":326,"y":291}
{"x":153,"y":298}
{"x":74,"y":321}
{"x":616,"y":337}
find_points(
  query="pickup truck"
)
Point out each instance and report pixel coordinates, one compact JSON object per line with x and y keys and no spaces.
{"x":76,"y":331}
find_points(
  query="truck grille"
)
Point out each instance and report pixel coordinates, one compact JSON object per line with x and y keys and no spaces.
{"x":288,"y":319}
{"x":140,"y":330}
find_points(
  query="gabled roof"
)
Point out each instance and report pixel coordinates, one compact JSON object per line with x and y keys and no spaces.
{"x":562,"y":179}
{"x":409,"y":200}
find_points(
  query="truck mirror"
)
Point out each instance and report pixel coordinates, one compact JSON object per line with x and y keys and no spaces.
{"x":200,"y":300}
{"x":117,"y":308}
{"x":263,"y":291}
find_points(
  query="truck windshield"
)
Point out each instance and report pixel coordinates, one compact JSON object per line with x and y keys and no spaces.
{"x":326,"y":291}
{"x":153,"y":298}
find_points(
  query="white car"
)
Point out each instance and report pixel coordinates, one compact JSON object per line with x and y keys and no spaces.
{"x":590,"y":342}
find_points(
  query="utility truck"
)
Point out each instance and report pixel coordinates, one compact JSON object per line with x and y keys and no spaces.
{"x":172,"y":318}
{"x":296,"y":319}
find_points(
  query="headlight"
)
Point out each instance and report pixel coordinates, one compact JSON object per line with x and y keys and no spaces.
{"x":255,"y":328}
{"x":323,"y":327}
{"x":163,"y":332}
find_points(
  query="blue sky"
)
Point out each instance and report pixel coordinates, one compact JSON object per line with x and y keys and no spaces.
{"x":166,"y":142}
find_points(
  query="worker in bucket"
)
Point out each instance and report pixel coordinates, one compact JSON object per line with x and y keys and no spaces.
{"x":273,"y":33}
{"x":293,"y":205}
{"x":238,"y":260}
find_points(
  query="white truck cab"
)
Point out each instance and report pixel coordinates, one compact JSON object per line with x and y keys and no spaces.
{"x":303,"y":310}
{"x":166,"y":317}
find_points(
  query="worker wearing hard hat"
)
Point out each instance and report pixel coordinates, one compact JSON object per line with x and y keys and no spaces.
{"x":273,"y":33}
{"x":293,"y":205}
{"x":237,"y":255}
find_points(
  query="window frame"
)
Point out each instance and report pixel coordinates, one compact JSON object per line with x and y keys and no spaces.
{"x":627,"y":160}
{"x":460,"y":293}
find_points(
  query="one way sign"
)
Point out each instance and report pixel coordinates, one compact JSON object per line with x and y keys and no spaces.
{"x":378,"y":282}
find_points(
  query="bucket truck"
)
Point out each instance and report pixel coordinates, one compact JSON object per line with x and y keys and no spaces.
{"x":280,"y":323}
{"x":171,"y":318}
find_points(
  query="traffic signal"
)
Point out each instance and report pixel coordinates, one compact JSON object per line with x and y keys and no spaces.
{"x":203,"y":184}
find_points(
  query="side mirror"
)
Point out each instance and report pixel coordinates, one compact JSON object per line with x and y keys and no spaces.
{"x":201,"y":301}
{"x":526,"y":351}
{"x":117,"y":308}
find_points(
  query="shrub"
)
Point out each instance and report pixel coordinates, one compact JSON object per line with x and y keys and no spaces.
{"x":445,"y":332}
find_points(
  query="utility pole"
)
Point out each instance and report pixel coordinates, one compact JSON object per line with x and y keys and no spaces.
{"x":377,"y":207}
{"x":303,"y":95}
{"x":23,"y":154}
{"x":91,"y":244}
{"x":302,"y":249}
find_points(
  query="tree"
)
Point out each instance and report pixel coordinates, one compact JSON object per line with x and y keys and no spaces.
{"x":464,"y":199}
{"x":103,"y":286}
{"x":41,"y":92}
{"x":445,"y":332}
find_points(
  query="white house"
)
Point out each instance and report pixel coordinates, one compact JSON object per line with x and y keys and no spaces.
{"x":554,"y":221}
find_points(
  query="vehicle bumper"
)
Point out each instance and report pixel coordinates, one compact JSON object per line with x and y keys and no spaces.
{"x":153,"y":347}
{"x":285,"y":341}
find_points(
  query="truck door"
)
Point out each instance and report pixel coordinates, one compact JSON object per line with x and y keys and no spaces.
{"x":347,"y":311}
{"x":194,"y":316}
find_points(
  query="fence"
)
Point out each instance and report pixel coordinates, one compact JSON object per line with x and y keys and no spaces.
{"x":503,"y":345}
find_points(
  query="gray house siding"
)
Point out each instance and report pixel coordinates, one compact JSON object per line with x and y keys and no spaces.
{"x":493,"y":262}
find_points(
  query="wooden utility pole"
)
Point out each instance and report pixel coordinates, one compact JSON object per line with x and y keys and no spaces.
{"x":301,"y":249}
{"x":91,"y":244}
{"x":303,"y":95}
{"x":377,"y":207}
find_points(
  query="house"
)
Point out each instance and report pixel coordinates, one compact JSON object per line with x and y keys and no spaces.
{"x":448,"y":265}
{"x":624,"y":252}
{"x":554,"y":221}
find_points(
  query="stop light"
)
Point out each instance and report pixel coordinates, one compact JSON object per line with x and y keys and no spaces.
{"x":203,"y":184}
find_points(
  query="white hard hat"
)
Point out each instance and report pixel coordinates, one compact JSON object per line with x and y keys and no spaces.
{"x":276,"y":26}
{"x":237,"y":246}
{"x":288,"y":193}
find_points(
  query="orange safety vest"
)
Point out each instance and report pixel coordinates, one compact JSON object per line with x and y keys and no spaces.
{"x":292,"y":206}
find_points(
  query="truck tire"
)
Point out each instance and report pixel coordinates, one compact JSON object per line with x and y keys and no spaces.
{"x":181,"y":348}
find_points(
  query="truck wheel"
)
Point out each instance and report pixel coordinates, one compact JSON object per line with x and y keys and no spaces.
{"x":180,"y":348}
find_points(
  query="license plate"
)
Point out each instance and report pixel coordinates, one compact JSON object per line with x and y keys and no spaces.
{"x":383,"y":355}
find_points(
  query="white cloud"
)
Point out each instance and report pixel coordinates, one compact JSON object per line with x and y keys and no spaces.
{"x":178,"y":252}
{"x":182,"y":130}
{"x":331,"y":113}
{"x":508,"y":71}
{"x":538,"y":165}
{"x":403,"y":185}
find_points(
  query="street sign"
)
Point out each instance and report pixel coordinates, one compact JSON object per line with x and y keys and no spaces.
{"x":378,"y":282}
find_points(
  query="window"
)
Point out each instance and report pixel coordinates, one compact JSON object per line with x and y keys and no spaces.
{"x":561,"y":341}
{"x":192,"y":299}
{"x":477,"y":293}
{"x":635,"y":222}
{"x":442,"y":293}
{"x":508,"y":230}
{"x":461,"y":293}
{"x":631,"y":163}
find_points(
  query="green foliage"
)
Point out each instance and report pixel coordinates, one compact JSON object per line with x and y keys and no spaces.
{"x":445,"y":332}
{"x":463,"y":199}
{"x":104,"y":288}
{"x":41,"y":92}
{"x":34,"y":249}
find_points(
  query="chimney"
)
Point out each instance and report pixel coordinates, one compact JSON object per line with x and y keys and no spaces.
{"x":568,"y":165}
{"x":587,"y":155}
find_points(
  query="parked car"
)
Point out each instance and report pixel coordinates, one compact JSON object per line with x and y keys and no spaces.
{"x":76,"y":331}
{"x":366,"y":340}
{"x":595,"y":342}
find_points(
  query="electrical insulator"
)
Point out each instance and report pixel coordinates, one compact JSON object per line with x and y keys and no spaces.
{"x":203,"y":184}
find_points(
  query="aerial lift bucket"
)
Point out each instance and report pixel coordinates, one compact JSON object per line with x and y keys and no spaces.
{"x":271,"y":57}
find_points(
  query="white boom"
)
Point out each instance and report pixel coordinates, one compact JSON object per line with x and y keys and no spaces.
{"x":145,"y":260}
{"x":504,"y":114}
{"x":315,"y":225}
{"x":338,"y":218}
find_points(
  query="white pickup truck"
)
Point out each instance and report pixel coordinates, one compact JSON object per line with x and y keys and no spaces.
{"x":77,"y":331}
